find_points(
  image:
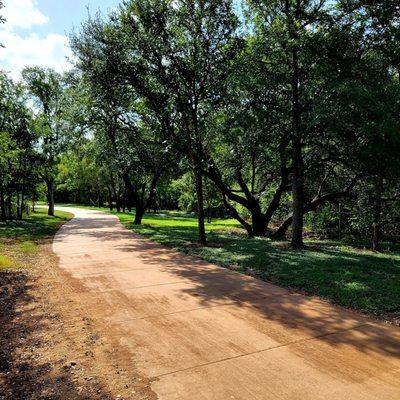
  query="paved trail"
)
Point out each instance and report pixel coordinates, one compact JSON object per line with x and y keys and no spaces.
{"x":203,"y":332}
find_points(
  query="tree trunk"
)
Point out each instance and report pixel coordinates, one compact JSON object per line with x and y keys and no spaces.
{"x":118,"y":204}
{"x":9,"y":206}
{"x":208,"y":213}
{"x":313,"y":205}
{"x":3,"y":207}
{"x":110,"y":199}
{"x":233,"y":212}
{"x":258,"y":222}
{"x":125,"y":200}
{"x":200,"y":201}
{"x":20,"y":205}
{"x":140,"y":210}
{"x":99,"y":199}
{"x":376,"y":226}
{"x":297,"y":156}
{"x":50,"y":196}
{"x":298,"y":197}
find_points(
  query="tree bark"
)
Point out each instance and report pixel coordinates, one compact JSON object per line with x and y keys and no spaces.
{"x":3,"y":207}
{"x":376,"y":226}
{"x":9,"y":206}
{"x":258,"y":222}
{"x":298,"y":197}
{"x":50,"y":196}
{"x":200,"y":201}
{"x":297,"y":158}
{"x":110,"y":198}
{"x":139,"y":215}
{"x":313,"y":205}
{"x":233,"y":212}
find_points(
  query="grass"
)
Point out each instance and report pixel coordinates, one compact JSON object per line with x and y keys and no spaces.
{"x":19,"y":239}
{"x":5,"y":262}
{"x":344,"y":272}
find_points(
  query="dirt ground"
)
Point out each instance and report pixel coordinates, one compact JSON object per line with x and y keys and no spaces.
{"x":50,"y":348}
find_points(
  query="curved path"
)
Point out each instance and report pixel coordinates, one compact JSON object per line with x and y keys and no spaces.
{"x":199,"y":331}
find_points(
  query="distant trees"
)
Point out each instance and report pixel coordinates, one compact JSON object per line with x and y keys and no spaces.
{"x":18,"y":173}
{"x":46,"y":90}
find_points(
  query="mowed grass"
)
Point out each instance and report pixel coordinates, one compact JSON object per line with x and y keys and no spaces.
{"x":345,"y":274}
{"x":19,"y":239}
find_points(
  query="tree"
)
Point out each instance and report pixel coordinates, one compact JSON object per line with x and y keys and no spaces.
{"x":288,"y":27}
{"x":121,"y":120}
{"x":178,"y":54}
{"x":46,"y":89}
{"x":18,"y":161}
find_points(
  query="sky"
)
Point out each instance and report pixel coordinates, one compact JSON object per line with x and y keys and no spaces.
{"x":36,"y":31}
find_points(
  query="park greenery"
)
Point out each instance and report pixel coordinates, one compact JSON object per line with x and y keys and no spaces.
{"x":253,"y":129}
{"x":280,"y":114}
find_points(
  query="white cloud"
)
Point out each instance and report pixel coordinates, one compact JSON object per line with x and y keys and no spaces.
{"x":50,"y":51}
{"x":22,"y":14}
{"x":29,"y":49}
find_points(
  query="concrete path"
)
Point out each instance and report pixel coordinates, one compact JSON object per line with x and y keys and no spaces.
{"x":205,"y":332}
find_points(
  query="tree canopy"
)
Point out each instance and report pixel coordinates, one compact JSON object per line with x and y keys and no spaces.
{"x":282,"y":115}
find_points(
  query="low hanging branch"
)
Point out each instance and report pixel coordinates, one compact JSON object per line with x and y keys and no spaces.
{"x":316,"y":202}
{"x":232,"y":210}
{"x":259,"y":218}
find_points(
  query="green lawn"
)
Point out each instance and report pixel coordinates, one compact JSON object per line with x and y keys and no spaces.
{"x":21,"y":238}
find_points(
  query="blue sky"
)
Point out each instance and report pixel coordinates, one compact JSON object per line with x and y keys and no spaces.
{"x":36,"y":31}
{"x":63,"y":14}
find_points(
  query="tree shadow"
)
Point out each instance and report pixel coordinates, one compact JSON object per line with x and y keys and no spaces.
{"x":279,"y":312}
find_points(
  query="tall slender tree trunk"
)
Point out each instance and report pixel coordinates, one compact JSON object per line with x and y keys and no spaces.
{"x":110,"y":199}
{"x":200,"y":200}
{"x":3,"y":206}
{"x":298,"y":197}
{"x":297,"y":156}
{"x":208,"y":213}
{"x":20,"y":205}
{"x":50,"y":196}
{"x":99,"y":199}
{"x":376,"y":226}
{"x":9,"y":206}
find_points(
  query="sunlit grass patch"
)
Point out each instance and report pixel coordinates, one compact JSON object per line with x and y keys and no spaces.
{"x":5,"y":262}
{"x":21,"y":239}
{"x":36,"y":226}
{"x":28,"y":247}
